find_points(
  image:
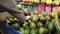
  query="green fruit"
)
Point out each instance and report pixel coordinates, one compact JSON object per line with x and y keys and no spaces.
{"x":32,"y":25}
{"x":52,"y":15}
{"x":32,"y":31}
{"x":25,"y":25}
{"x":29,"y":21}
{"x":22,"y":30}
{"x":16,"y":25}
{"x":35,"y":18}
{"x":11,"y":17}
{"x":44,"y":14}
{"x":43,"y":30}
{"x":46,"y":24}
{"x":11,"y":20}
{"x":27,"y":30}
{"x":51,"y":26}
{"x":42,"y":17}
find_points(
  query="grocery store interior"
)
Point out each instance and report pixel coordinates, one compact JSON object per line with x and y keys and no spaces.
{"x":29,"y":16}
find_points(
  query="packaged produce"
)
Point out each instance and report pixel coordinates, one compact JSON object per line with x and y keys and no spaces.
{"x":48,"y":9}
{"x":41,"y":8}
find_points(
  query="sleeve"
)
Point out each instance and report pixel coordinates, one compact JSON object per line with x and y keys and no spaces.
{"x":10,"y":6}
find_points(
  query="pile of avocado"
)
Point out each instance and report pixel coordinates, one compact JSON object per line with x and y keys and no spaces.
{"x":36,"y":23}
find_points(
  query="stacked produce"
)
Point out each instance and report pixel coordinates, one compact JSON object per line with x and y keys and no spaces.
{"x":36,"y":23}
{"x":48,"y":2}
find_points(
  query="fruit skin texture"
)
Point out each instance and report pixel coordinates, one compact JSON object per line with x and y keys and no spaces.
{"x":59,"y":11}
{"x":48,"y":2}
{"x":25,"y":25}
{"x":56,"y":2}
{"x":44,"y":14}
{"x":32,"y":25}
{"x":37,"y":1}
{"x":16,"y":25}
{"x":26,"y":30}
{"x":35,"y":18}
{"x":43,"y":30}
{"x":52,"y":15}
{"x":32,"y":31}
{"x":22,"y":30}
{"x":50,"y":26}
{"x":43,"y":1}
{"x":42,"y":17}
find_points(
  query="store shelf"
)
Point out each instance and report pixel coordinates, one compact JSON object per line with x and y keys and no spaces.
{"x":28,"y":3}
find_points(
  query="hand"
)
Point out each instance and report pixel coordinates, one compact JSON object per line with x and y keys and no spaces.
{"x":3,"y":16}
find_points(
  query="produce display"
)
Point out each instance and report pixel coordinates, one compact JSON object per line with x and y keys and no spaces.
{"x":48,"y":2}
{"x":40,"y":17}
{"x":36,"y":23}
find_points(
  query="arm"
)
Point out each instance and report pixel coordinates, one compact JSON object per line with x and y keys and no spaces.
{"x":11,"y":8}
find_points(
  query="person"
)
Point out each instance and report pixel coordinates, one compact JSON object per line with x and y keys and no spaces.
{"x":10,"y":7}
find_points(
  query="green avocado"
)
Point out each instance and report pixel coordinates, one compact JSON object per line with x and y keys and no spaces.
{"x":35,"y":18}
{"x":22,"y":30}
{"x":16,"y":26}
{"x":43,"y":30}
{"x":27,"y":30}
{"x":33,"y":31}
{"x":52,"y":15}
{"x":32,"y":25}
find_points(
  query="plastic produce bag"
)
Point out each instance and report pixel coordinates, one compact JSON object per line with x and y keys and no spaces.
{"x":48,"y":9}
{"x":41,"y":8}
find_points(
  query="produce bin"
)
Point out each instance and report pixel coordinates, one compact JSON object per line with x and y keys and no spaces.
{"x":9,"y":29}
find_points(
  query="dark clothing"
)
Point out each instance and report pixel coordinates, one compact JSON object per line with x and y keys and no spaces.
{"x":10,"y":6}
